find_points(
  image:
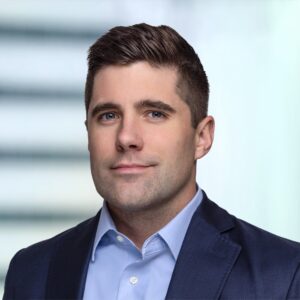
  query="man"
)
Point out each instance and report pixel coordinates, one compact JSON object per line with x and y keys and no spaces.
{"x":158,"y":235}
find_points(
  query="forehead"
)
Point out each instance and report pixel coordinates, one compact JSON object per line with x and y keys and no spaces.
{"x":134,"y":82}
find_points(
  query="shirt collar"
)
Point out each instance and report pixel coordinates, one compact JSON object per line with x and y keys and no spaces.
{"x":172,"y":233}
{"x":105,"y":224}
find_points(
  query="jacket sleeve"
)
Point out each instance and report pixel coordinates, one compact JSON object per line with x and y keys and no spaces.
{"x":294,"y":290}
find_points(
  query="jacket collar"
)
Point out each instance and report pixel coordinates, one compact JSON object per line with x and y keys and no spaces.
{"x":206,"y":257}
{"x":203,"y":265}
{"x":69,"y":264}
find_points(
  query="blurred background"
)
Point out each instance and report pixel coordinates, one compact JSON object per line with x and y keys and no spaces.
{"x":251,"y":52}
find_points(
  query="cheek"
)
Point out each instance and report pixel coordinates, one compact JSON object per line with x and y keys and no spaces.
{"x":159,"y":141}
{"x":185,"y":145}
{"x":172,"y":145}
{"x":185,"y":151}
{"x":100,"y":145}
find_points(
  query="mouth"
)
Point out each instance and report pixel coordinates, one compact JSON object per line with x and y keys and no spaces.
{"x":130,"y":168}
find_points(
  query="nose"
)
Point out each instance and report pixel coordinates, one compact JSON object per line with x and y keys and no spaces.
{"x":129,"y":136}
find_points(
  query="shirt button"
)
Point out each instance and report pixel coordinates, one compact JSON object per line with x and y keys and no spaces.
{"x":133,"y":280}
{"x":120,"y":238}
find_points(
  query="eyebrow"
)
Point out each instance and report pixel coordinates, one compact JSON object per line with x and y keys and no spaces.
{"x":104,"y":106}
{"x":156,"y":104}
{"x":146,"y":103}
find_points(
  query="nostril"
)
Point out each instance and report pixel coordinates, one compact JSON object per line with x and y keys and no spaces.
{"x":122,"y":145}
{"x":129,"y":137}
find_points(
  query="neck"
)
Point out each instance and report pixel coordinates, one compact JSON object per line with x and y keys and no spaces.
{"x":140,"y":224}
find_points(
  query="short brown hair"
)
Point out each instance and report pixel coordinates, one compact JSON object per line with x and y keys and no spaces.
{"x":159,"y":46}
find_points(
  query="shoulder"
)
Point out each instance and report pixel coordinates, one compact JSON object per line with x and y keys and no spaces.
{"x":265,"y":249}
{"x":262,"y":238}
{"x":266,"y":265}
{"x":43,"y":249}
{"x":249,"y":237}
{"x":272,"y":262}
{"x":31,"y":264}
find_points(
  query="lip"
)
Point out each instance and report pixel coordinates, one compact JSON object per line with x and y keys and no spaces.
{"x":130,"y":168}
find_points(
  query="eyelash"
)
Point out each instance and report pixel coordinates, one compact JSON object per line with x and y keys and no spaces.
{"x":161,"y":114}
{"x":101,"y":116}
{"x":104,"y":116}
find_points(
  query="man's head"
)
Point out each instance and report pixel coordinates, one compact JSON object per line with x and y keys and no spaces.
{"x":141,"y":90}
{"x":159,"y":46}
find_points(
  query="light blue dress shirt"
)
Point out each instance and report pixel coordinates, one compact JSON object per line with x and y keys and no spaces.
{"x":119,"y":270}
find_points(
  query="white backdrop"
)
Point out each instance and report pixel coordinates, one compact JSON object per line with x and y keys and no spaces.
{"x":250,"y":50}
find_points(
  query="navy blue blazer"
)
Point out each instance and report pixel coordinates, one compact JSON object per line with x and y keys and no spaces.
{"x":221,"y":257}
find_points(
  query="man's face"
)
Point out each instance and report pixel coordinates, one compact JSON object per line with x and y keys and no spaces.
{"x":141,"y":142}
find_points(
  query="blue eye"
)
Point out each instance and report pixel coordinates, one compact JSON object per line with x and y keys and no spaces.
{"x":108,"y":116}
{"x":156,"y":114}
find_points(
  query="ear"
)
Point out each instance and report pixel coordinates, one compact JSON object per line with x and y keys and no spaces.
{"x":86,"y":127}
{"x":204,"y":136}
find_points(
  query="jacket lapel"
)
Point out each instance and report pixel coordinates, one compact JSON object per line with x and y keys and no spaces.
{"x":206,"y":257}
{"x":69,"y":264}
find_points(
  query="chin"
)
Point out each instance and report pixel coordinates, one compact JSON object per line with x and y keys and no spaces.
{"x":129,"y":202}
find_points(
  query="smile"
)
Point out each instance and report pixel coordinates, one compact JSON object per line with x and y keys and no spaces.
{"x":130,"y":168}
